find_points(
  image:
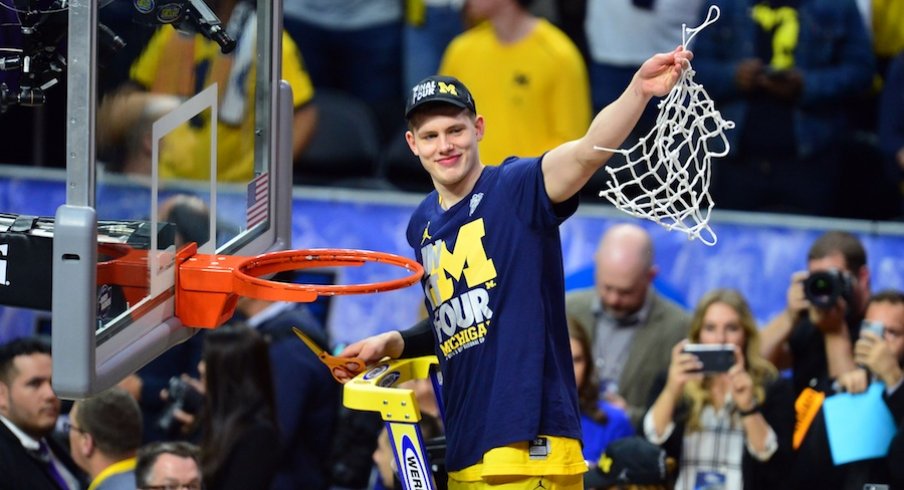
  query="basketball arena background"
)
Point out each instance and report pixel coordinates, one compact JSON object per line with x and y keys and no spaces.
{"x":755,"y":253}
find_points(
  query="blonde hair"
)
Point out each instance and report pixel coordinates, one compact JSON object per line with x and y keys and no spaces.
{"x":761,"y":371}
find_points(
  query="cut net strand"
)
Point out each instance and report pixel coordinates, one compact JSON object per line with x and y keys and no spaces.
{"x":666,"y":174}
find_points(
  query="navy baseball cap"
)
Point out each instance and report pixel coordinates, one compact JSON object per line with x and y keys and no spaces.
{"x":437,"y":88}
{"x":629,"y":461}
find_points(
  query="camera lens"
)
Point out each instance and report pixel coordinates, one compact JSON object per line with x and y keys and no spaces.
{"x":823,"y":288}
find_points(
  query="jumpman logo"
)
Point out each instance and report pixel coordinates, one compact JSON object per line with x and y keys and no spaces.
{"x":539,"y":484}
{"x":426,"y":235}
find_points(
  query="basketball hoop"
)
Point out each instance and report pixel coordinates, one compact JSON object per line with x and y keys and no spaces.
{"x":125,"y":267}
{"x":208,"y":286}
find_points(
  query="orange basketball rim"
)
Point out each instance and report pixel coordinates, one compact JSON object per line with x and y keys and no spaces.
{"x":208,"y":286}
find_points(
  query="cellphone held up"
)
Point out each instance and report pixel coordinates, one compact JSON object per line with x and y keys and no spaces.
{"x":716,"y":358}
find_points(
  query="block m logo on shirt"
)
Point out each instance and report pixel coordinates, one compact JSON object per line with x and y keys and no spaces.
{"x":467,"y":261}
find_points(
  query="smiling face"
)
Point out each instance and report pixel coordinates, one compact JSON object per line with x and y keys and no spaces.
{"x":444,"y":138}
{"x":28,"y":400}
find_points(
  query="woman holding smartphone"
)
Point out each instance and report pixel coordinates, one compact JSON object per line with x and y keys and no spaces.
{"x":727,"y":429}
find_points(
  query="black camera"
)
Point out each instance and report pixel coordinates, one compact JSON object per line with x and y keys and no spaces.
{"x":181,"y":396}
{"x":823,"y":288}
{"x":186,"y":15}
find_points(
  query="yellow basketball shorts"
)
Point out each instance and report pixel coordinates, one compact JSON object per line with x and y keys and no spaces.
{"x":550,"y":463}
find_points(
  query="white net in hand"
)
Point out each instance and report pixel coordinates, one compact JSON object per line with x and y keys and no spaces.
{"x":665,"y":177}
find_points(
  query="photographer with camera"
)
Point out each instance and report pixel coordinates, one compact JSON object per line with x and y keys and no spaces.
{"x":815,"y":334}
{"x":151,"y":386}
{"x":814,"y":337}
{"x":184,"y":398}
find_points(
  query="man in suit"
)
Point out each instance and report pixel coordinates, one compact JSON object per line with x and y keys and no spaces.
{"x":29,"y":457}
{"x":631,"y":326}
{"x":104,"y":436}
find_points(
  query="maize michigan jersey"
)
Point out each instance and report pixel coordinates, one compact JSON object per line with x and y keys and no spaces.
{"x":494,"y":285}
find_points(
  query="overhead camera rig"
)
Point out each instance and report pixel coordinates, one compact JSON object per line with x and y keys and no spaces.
{"x":43,"y":26}
{"x":40,"y":62}
{"x":187,"y":16}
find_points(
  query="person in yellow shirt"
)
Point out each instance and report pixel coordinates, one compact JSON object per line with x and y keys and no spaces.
{"x":529,"y":76}
{"x":184,"y":65}
{"x":888,"y":31}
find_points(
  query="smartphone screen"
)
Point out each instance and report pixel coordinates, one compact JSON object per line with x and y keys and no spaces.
{"x":874,"y":327}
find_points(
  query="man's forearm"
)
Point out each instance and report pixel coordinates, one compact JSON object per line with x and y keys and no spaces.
{"x":839,"y":353}
{"x":418,"y":339}
{"x":773,"y":339}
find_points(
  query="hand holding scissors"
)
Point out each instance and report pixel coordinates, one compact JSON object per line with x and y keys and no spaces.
{"x":340,"y":367}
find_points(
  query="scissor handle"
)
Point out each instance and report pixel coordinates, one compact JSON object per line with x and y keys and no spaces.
{"x":351,"y":365}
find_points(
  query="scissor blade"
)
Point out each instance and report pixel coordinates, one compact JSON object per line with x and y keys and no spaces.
{"x":310,"y":343}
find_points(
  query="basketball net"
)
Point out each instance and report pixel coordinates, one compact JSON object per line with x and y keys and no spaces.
{"x":666,"y":175}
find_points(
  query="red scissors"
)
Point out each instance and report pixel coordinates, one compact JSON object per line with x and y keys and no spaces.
{"x":352,"y":365}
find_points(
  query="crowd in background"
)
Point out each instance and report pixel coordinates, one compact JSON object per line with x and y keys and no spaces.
{"x":248,"y":406}
{"x":816,"y":88}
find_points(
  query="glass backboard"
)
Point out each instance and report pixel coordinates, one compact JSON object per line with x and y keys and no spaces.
{"x":196,"y":147}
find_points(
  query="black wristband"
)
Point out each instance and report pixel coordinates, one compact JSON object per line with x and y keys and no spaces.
{"x":418,"y":339}
{"x":746,"y":413}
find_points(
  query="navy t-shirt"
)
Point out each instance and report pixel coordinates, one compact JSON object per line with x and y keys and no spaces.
{"x":494,"y":286}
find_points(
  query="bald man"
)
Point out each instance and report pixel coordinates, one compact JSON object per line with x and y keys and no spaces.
{"x":631,"y":326}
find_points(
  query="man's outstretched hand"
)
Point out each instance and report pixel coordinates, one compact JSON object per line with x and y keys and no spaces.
{"x":370,"y":350}
{"x":660,"y":73}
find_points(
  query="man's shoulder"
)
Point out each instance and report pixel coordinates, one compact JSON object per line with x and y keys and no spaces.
{"x":119,"y":481}
{"x":10,"y":449}
{"x":9,"y":443}
{"x":580,"y":297}
{"x":579,"y":306}
{"x":666,"y":304}
{"x":15,"y":464}
{"x":668,"y":314}
{"x":424,"y":207}
{"x":555,"y":40}
{"x":580,"y":301}
{"x":480,"y":34}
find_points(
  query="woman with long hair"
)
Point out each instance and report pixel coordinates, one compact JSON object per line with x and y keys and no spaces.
{"x":729,"y":429}
{"x":240,"y":442}
{"x":601,"y":421}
